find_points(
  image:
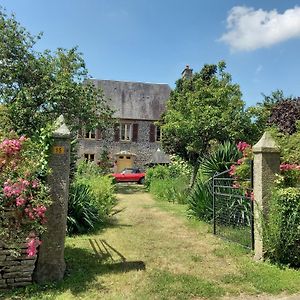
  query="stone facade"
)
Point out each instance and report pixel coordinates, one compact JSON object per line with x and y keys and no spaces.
{"x":137,"y":104}
{"x":15,"y":271}
{"x":142,"y":150}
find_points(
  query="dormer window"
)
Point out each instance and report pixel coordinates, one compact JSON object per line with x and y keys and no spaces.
{"x":90,"y":134}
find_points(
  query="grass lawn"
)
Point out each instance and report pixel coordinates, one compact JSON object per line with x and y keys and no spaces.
{"x":152,"y":251}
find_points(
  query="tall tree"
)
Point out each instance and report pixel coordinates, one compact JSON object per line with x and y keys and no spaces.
{"x":262,"y":111}
{"x":37,"y":87}
{"x":204,"y":108}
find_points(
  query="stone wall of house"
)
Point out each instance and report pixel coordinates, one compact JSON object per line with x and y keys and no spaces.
{"x":143,"y":148}
{"x":15,"y":271}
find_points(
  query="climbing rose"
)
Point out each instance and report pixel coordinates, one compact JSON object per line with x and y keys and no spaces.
{"x":32,"y":244}
{"x":242,"y":146}
{"x":232,"y":170}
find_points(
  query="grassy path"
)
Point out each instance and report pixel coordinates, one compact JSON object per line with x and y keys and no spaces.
{"x":154,"y":252}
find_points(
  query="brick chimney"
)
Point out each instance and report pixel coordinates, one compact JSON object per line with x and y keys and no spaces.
{"x":187,"y":73}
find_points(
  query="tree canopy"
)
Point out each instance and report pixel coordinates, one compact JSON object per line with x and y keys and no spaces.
{"x":36,"y":87}
{"x":204,"y":108}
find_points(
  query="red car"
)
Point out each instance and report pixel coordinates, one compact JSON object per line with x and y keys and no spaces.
{"x":130,"y":175}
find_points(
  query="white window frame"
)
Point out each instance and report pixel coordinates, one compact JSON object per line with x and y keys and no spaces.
{"x":88,"y":157}
{"x":126,"y":128}
{"x":91,"y":135}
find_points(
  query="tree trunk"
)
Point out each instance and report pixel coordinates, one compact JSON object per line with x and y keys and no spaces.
{"x":194,"y":174}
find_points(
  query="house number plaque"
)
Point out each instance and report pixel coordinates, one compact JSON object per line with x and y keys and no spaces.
{"x":58,"y":150}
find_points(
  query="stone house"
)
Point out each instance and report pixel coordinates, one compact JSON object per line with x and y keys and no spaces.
{"x":135,"y":138}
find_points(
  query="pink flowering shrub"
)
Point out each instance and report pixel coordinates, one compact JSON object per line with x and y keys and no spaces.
{"x":289,"y":176}
{"x":23,"y":195}
{"x":241,"y":170}
{"x":289,"y":173}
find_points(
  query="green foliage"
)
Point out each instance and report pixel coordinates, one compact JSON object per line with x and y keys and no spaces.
{"x":171,"y":189}
{"x":86,"y":169}
{"x":37,"y":87}
{"x":168,"y":183}
{"x":282,"y":227}
{"x":200,"y":201}
{"x":157,"y":173}
{"x":102,"y":191}
{"x":220,"y":160}
{"x":200,"y":198}
{"x":92,"y":198}
{"x":289,"y":145}
{"x":82,"y":215}
{"x":261,"y":112}
{"x":201,"y":109}
{"x":178,"y":167}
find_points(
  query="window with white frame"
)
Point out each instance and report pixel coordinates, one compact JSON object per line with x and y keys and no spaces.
{"x":158,"y":134}
{"x":89,"y":134}
{"x":126,"y":131}
{"x":89,"y":157}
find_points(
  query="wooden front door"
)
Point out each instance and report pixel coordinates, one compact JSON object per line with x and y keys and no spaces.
{"x":124,"y":161}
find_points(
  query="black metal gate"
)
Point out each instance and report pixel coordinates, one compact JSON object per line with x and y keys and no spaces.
{"x":233,"y":210}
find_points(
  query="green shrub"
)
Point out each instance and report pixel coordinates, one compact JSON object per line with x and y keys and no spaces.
{"x":200,"y":198}
{"x":102,"y":191}
{"x":171,"y":189}
{"x":220,"y":160}
{"x":92,"y":198}
{"x":86,"y":169}
{"x":179,"y":167}
{"x":157,"y":173}
{"x":200,"y":201}
{"x":282,"y":227}
{"x":82,"y":215}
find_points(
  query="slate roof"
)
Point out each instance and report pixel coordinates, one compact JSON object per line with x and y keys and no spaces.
{"x":135,"y":100}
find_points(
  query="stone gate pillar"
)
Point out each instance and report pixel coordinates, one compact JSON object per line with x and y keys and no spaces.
{"x":266,"y":165}
{"x":51,"y":264}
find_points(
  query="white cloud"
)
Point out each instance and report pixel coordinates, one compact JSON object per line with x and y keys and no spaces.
{"x":249,"y":29}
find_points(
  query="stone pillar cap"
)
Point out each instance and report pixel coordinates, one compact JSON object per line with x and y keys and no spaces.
{"x":61,"y":131}
{"x":266,"y":144}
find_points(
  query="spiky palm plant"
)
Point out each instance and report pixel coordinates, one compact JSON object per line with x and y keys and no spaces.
{"x":200,"y":198}
{"x":82,"y":215}
{"x":220,"y":160}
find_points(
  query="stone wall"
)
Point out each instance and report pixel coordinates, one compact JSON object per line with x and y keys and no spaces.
{"x":15,"y":271}
{"x":143,"y":148}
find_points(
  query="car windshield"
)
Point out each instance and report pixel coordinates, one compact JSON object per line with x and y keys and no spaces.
{"x":130,"y":171}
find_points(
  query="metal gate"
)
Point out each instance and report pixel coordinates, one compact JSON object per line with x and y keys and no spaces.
{"x":233,"y":210}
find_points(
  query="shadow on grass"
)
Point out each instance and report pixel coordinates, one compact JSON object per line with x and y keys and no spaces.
{"x":129,"y":188}
{"x":84,"y":270}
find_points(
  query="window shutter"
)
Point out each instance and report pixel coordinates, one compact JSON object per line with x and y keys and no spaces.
{"x":135,"y":130}
{"x":152,"y":133}
{"x":98,"y":134}
{"x":117,"y":132}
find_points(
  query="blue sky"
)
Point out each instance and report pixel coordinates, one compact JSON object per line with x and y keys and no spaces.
{"x":152,"y":41}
